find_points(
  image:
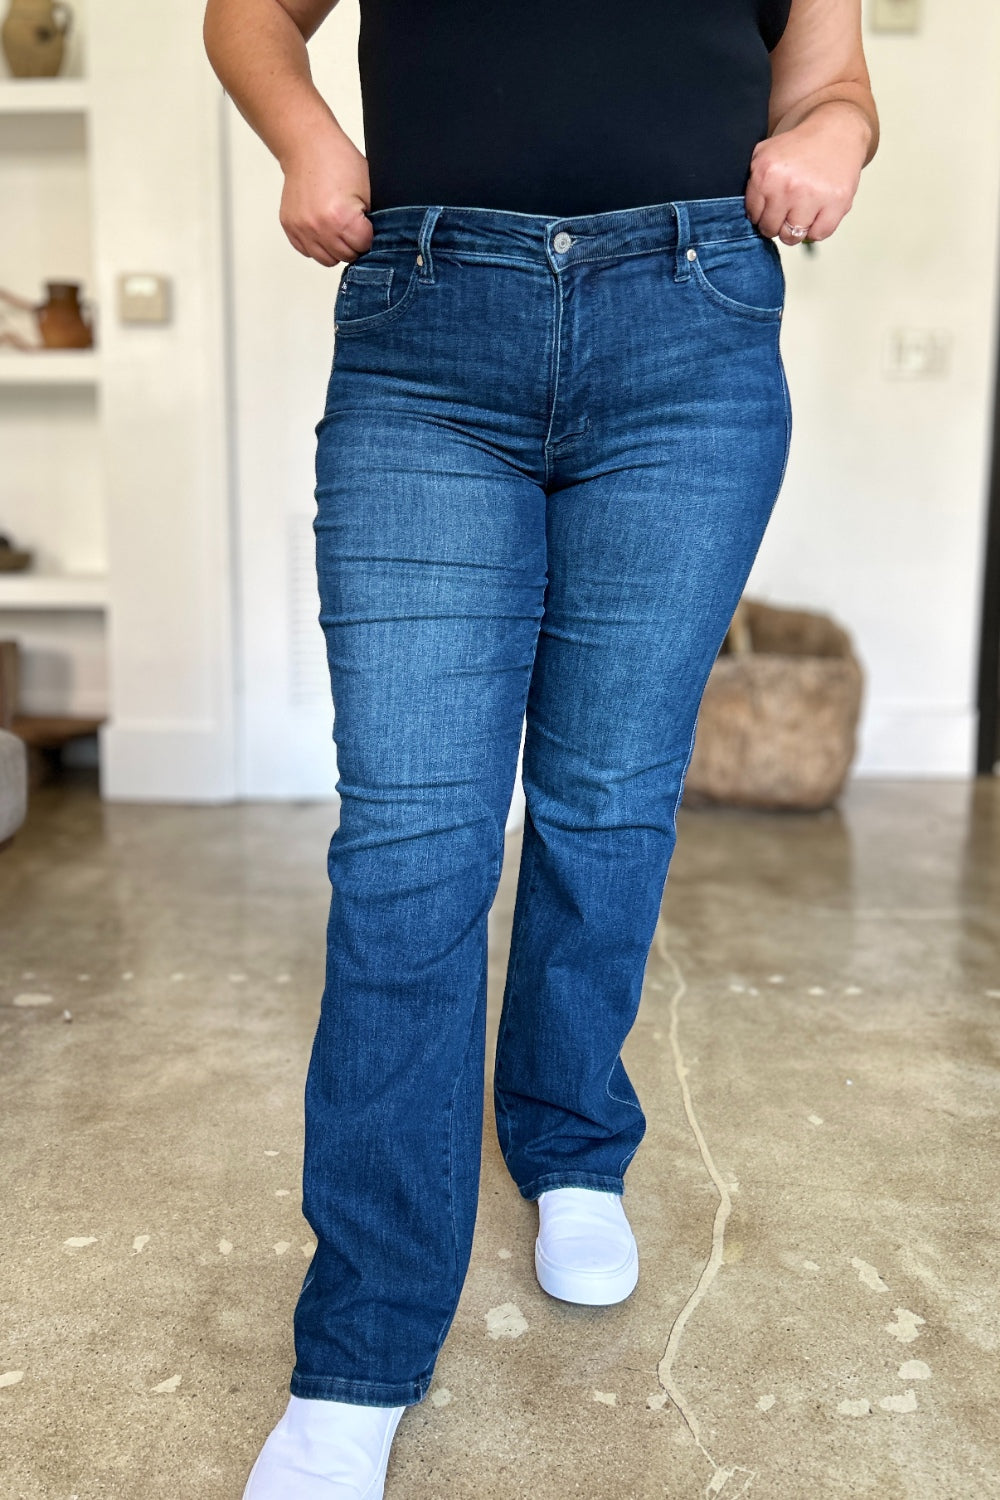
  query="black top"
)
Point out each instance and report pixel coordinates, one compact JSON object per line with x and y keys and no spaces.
{"x":563,"y":107}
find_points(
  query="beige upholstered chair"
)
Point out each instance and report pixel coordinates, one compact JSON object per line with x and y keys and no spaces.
{"x":13,"y":751}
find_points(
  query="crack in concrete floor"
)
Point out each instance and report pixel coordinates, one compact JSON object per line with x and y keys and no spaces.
{"x":721,"y":1475}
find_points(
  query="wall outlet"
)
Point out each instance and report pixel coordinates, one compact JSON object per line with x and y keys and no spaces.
{"x":895,"y":15}
{"x":143,"y":298}
{"x":918,"y":353}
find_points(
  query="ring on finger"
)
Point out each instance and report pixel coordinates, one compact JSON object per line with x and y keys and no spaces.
{"x":796,"y":231}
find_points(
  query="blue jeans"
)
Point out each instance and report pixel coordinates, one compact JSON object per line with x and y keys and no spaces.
{"x":548,"y":455}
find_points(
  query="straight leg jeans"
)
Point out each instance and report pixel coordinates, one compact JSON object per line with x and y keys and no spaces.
{"x":549,"y":452}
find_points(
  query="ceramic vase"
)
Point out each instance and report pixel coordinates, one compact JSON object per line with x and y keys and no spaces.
{"x":61,"y":320}
{"x":34,"y":37}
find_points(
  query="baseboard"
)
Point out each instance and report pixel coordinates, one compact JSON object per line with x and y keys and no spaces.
{"x":167,"y":762}
{"x":915,"y":740}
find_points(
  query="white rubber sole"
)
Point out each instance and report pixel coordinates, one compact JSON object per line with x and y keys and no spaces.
{"x":590,"y":1288}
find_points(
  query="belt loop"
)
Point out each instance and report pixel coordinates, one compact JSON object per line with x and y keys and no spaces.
{"x":424,"y":244}
{"x":682,"y":269}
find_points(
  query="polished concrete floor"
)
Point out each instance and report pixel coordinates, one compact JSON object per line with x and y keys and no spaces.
{"x":818,"y":1314}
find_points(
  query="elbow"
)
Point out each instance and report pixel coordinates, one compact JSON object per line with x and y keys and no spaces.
{"x":210,"y":34}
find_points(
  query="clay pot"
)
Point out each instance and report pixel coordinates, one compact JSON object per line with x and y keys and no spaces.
{"x":34,"y":36}
{"x":61,"y":320}
{"x":13,"y":560}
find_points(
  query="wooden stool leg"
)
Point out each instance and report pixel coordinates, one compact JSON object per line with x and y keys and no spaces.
{"x":9,"y":682}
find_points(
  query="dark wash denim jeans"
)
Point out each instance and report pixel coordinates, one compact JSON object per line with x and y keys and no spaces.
{"x":549,"y":452}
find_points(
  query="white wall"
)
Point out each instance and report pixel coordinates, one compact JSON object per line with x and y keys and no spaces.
{"x":881,"y":520}
{"x":156,"y":166}
{"x":282,"y":332}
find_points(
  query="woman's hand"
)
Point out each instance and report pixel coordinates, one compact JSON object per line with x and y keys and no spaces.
{"x":807,"y":176}
{"x":325,"y":199}
{"x":259,"y":53}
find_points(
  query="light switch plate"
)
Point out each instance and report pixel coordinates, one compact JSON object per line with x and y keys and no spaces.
{"x":895,"y":15}
{"x":917,"y":353}
{"x":143,"y":298}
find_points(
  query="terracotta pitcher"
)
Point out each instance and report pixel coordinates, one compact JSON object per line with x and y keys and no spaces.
{"x":34,"y":37}
{"x":62,"y":320}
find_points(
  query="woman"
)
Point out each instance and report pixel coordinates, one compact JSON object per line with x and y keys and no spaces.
{"x":554,"y":433}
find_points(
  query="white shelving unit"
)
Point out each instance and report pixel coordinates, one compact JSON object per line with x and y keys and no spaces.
{"x":50,"y":367}
{"x":32,"y":96}
{"x":53,"y":591}
{"x":52,"y":485}
{"x":119,"y":462}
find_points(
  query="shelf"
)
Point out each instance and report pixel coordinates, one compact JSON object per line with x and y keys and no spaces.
{"x":49,"y":367}
{"x":33,"y":96}
{"x":53,"y":590}
{"x":53,"y":731}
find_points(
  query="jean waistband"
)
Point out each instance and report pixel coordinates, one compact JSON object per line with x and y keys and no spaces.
{"x":508,"y":235}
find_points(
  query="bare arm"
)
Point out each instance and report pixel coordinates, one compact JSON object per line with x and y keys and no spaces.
{"x":259,"y":53}
{"x":823,"y":123}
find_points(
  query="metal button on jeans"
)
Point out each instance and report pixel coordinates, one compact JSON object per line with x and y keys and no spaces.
{"x":562,"y":241}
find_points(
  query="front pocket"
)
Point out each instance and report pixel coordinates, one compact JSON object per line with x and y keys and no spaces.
{"x":743,"y":276}
{"x":370,"y":295}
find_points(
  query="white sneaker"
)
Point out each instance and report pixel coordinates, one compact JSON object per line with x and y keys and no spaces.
{"x":585,"y":1250}
{"x":325,"y":1450}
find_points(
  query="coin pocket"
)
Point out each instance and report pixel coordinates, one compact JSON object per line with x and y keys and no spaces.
{"x":365,"y":291}
{"x":372,"y":295}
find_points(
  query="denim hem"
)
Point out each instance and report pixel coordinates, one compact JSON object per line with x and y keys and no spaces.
{"x":544,"y":1184}
{"x":358,"y":1392}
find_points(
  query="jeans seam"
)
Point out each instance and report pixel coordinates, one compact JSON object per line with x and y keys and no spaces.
{"x":484,"y":258}
{"x":553,"y":376}
{"x":787,"y":398}
{"x":335,"y":1387}
{"x":473,"y":257}
{"x":514,"y":960}
{"x":552,"y":219}
{"x":631,"y":1104}
{"x":442,"y":1335}
{"x":545,"y":1181}
{"x":627,"y":1158}
{"x":591,"y":260}
{"x":673,"y":818}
